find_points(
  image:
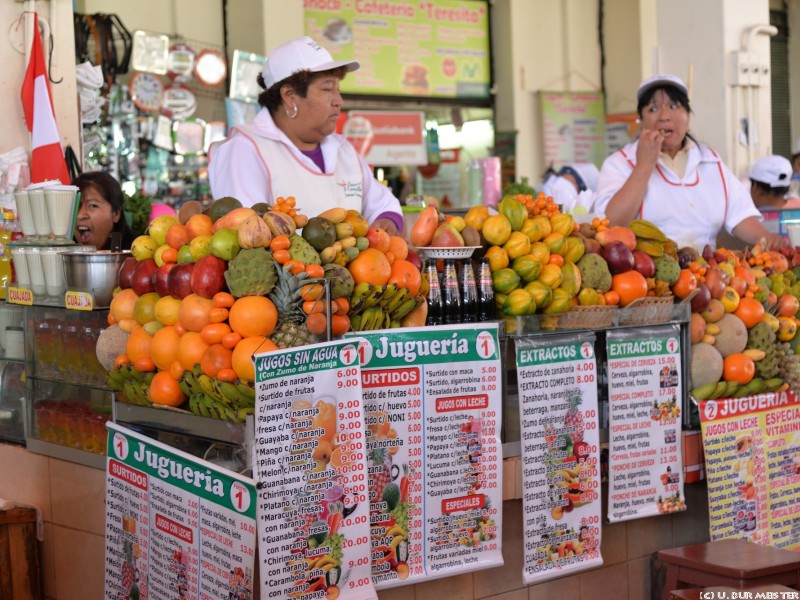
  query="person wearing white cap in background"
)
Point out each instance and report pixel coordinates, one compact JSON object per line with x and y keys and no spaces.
{"x":291,"y":148}
{"x":669,"y":178}
{"x":770,"y":178}
{"x":572,"y":185}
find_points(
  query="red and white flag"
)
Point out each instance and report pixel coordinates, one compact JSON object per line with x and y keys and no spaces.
{"x":47,"y":156}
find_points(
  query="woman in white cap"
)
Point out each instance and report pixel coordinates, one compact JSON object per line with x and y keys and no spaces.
{"x":672,"y":180}
{"x":770,"y":178}
{"x":572,"y":185}
{"x":291,"y":148}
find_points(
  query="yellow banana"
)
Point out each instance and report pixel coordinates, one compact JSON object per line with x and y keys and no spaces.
{"x":753,"y":353}
{"x":396,"y":530}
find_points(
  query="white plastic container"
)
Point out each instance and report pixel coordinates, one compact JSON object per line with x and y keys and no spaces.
{"x":25,"y":213}
{"x":53,"y":267}
{"x":33,"y":256}
{"x":23,"y":279}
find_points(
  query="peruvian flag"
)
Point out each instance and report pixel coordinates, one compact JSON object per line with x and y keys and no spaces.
{"x":47,"y":156}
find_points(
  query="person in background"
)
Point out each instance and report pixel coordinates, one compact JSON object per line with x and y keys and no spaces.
{"x":100,"y":211}
{"x":770,"y":179}
{"x":794,"y":186}
{"x":669,"y":178}
{"x":572,"y":185}
{"x":290,"y":148}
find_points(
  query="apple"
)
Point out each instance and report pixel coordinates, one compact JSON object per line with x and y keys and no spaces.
{"x":716,"y":280}
{"x":142,"y":279}
{"x":161,"y":279}
{"x":618,"y":257}
{"x":643,"y":263}
{"x":179,"y":280}
{"x":701,"y":298}
{"x":208,"y":276}
{"x":739,"y":284}
{"x":414,"y":259}
{"x":126,"y":272}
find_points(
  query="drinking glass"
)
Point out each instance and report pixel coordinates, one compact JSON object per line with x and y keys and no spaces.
{"x":25,"y":213}
{"x":33,"y":258}
{"x":41,"y":221}
{"x":53,"y":267}
{"x":60,"y":202}
{"x":23,"y":279}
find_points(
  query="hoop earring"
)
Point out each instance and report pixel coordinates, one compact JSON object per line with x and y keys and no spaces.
{"x":293,"y":114}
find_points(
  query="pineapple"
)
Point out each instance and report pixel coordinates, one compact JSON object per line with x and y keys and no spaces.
{"x":291,"y":330}
{"x":574,"y":418}
{"x":380,"y":472}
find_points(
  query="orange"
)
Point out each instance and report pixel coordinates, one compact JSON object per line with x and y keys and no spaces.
{"x":122,"y":306}
{"x":253,"y":316}
{"x":370,"y":266}
{"x":190,"y":349}
{"x":398,"y":246}
{"x":177,"y":236}
{"x":215,"y":358}
{"x":138,"y":344}
{"x":685,"y":285}
{"x":199,"y":224}
{"x":243,"y":354}
{"x":750,"y":311}
{"x":405,"y":275}
{"x":144,"y":307}
{"x":164,"y":349}
{"x":193,"y":313}
{"x":738,"y":367}
{"x":165,"y":390}
{"x":166,"y":310}
{"x":630,"y":286}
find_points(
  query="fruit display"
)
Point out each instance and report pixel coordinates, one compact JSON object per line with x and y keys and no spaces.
{"x":204,"y":291}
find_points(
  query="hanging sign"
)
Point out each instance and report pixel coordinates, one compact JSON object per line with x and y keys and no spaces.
{"x":644,"y":388}
{"x":176,"y":526}
{"x":310,"y":464}
{"x":433,"y":407}
{"x":752,"y":450}
{"x":388,"y":138}
{"x":557,"y":383}
{"x":574,"y":128}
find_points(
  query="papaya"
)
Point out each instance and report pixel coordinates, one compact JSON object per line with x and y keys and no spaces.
{"x":496,"y":230}
{"x":541,"y":252}
{"x":541,"y":293}
{"x":527,"y":267}
{"x":562,"y":224}
{"x":571,"y":277}
{"x":551,"y":275}
{"x":533,"y":229}
{"x":616,"y":233}
{"x":476,"y":216}
{"x":575,"y":249}
{"x":517,"y":245}
{"x":505,"y":280}
{"x":544,"y":223}
{"x":561,"y":302}
{"x":232,"y":219}
{"x":556,"y":243}
{"x":498,"y":258}
{"x":513,"y":210}
{"x":519,"y":303}
{"x":423,"y":230}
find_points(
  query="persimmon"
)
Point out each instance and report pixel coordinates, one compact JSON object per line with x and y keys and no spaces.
{"x":685,"y":285}
{"x":231,"y":339}
{"x":243,"y":353}
{"x":556,"y":259}
{"x":312,"y":291}
{"x":315,"y":271}
{"x":176,"y":370}
{"x":750,"y":311}
{"x":630,"y":286}
{"x":343,"y":304}
{"x":611,"y":298}
{"x":164,"y":349}
{"x":313,"y":306}
{"x":121,"y":360}
{"x":213,"y":333}
{"x":405,"y":275}
{"x":281,"y":256}
{"x":144,"y":364}
{"x":295,"y":266}
{"x":738,"y":367}
{"x":253,"y":315}
{"x":340,"y":324}
{"x":165,"y":390}
{"x":227,"y":375}
{"x":215,"y":358}
{"x":217,"y":314}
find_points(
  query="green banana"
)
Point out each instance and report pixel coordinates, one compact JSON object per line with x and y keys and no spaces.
{"x":397,"y":300}
{"x":374,"y":296}
{"x":245,"y":389}
{"x":731,"y":389}
{"x":193,"y":404}
{"x":242,"y":413}
{"x":704,"y":391}
{"x":204,"y":404}
{"x":359,"y":296}
{"x":389,"y":294}
{"x":408,"y":305}
{"x":395,"y":324}
{"x":184,"y":385}
{"x":374,"y":318}
{"x":773,"y":384}
{"x":387,"y":320}
{"x":227,"y":390}
{"x":719,"y":390}
{"x":355,"y":322}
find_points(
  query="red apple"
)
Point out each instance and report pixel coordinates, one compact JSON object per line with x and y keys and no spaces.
{"x":179,"y":280}
{"x":618,"y":257}
{"x":161,"y":279}
{"x":126,"y":272}
{"x":716,"y":280}
{"x":208,"y":276}
{"x":142,"y":278}
{"x":701,"y":298}
{"x":739,"y":284}
{"x":414,"y":259}
{"x":644,"y":264}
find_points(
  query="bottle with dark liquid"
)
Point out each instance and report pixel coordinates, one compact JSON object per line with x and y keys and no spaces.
{"x":451,"y":298}
{"x":486,"y":307}
{"x":434,"y":293}
{"x":469,"y":292}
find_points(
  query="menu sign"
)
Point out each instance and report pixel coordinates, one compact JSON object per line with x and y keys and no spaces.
{"x":557,"y":383}
{"x":644,"y":384}
{"x":752,"y":449}
{"x":433,"y":407}
{"x":310,"y":464}
{"x":176,"y":526}
{"x":574,"y":127}
{"x":419,"y":49}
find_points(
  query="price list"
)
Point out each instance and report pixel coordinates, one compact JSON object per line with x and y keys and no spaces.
{"x":752,"y":451}
{"x":433,"y":411}
{"x":644,"y":388}
{"x":175,"y":525}
{"x":557,"y":383}
{"x":310,"y":463}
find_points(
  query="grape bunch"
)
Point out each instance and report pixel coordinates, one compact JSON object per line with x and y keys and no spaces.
{"x":789,"y":367}
{"x":400,"y":514}
{"x":335,"y":543}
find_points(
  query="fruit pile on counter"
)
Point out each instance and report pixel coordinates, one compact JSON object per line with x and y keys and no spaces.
{"x":203,"y":292}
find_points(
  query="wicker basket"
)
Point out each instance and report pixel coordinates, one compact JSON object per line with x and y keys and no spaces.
{"x":648,"y":311}
{"x":588,"y":317}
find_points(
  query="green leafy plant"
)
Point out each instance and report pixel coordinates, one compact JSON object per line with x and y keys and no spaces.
{"x":137,"y":212}
{"x":520,"y":187}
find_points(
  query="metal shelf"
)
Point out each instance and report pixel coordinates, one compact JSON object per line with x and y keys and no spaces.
{"x":180,"y":423}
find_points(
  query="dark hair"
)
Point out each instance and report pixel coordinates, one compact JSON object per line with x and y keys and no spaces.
{"x":767,"y":189}
{"x":299,"y":82}
{"x":111,"y":191}
{"x":672,"y":92}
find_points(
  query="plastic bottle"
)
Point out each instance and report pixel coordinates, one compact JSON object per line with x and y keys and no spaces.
{"x":474,"y":183}
{"x":451,"y":298}
{"x":486,"y":307}
{"x":434,"y":293}
{"x":6,"y":266}
{"x":469,"y":292}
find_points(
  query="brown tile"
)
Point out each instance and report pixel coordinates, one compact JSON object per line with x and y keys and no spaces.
{"x":639,"y":578}
{"x":614,"y":543}
{"x":605,"y":583}
{"x":48,"y":562}
{"x":509,"y":478}
{"x":452,"y":588}
{"x":79,"y":564}
{"x":515,"y":595}
{"x":646,"y":536}
{"x":78,"y":496}
{"x":399,"y":593}
{"x":26,"y":478}
{"x":507,"y":577}
{"x":691,"y":525}
{"x":566,"y":588}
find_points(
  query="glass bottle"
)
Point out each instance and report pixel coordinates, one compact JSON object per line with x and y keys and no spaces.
{"x":469,"y":292}
{"x":451,"y":298}
{"x":486,"y":306}
{"x":434,"y":293}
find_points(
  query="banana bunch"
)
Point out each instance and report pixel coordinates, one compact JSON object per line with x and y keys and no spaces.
{"x":570,"y":476}
{"x":733,"y":389}
{"x":380,"y":306}
{"x":210,"y":397}
{"x":650,"y":239}
{"x":398,"y":534}
{"x":325,"y":562}
{"x":131,"y":384}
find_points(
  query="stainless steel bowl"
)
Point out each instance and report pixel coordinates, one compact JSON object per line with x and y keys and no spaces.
{"x":94,"y":272}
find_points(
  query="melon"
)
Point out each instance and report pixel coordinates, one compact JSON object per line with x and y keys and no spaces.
{"x":732,"y":336}
{"x":110,"y":344}
{"x":706,"y":365}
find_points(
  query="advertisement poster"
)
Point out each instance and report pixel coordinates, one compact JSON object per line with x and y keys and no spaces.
{"x":388,"y":138}
{"x":644,"y":391}
{"x":621,"y":129}
{"x":310,"y":465}
{"x":445,"y":183}
{"x":176,"y":526}
{"x":557,"y":383}
{"x":574,"y":127}
{"x":433,"y":403}
{"x":417,"y":49}
{"x":752,"y":448}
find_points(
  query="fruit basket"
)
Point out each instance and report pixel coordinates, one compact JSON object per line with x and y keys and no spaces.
{"x":442,"y":252}
{"x":588,"y":317}
{"x":647,"y":311}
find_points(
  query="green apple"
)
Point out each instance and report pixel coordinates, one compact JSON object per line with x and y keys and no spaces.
{"x":200,"y":246}
{"x":185,"y":255}
{"x":144,"y":247}
{"x":225,"y":243}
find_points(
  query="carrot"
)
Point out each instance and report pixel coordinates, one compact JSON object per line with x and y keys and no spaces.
{"x":404,"y":483}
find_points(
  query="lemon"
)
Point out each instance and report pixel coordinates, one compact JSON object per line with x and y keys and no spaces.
{"x":144,"y":247}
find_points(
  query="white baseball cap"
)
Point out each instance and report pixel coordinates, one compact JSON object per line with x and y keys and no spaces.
{"x":774,"y":171}
{"x":301,"y":54}
{"x":660,"y":80}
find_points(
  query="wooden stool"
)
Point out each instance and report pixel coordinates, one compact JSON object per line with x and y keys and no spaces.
{"x":736,"y":563}
{"x":19,"y":555}
{"x":694,"y":593}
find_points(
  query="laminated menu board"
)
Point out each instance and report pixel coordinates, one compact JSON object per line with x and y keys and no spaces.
{"x":176,"y":526}
{"x":310,"y":464}
{"x":557,"y":383}
{"x":644,"y":387}
{"x":574,"y":127}
{"x":752,"y":450}
{"x":432,"y":397}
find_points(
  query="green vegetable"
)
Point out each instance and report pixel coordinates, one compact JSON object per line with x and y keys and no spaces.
{"x":521,"y":187}
{"x":137,"y":212}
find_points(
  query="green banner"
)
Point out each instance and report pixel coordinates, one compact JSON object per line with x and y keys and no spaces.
{"x":642,"y":347}
{"x":429,"y":49}
{"x":307,"y":359}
